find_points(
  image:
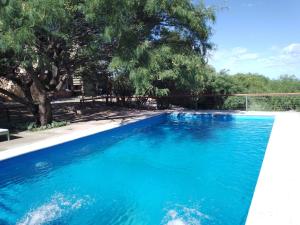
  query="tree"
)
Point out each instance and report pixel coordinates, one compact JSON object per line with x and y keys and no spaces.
{"x":35,"y":51}
{"x":161,"y":45}
{"x":44,"y":43}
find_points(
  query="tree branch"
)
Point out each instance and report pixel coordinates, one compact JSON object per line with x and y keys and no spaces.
{"x":61,"y":82}
{"x":15,"y":97}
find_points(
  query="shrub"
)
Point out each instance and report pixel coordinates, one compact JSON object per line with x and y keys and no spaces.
{"x":235,"y":103}
{"x":31,"y":126}
{"x":54,"y":124}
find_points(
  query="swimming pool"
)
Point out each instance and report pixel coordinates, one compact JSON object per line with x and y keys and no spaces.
{"x":177,"y":168}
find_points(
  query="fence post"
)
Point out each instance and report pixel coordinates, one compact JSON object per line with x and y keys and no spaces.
{"x":246,"y":102}
{"x":8,"y":118}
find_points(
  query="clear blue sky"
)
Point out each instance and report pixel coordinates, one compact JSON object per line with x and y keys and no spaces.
{"x":259,"y":36}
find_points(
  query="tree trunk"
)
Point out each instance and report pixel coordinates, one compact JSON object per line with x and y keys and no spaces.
{"x":34,"y":109}
{"x":36,"y":100}
{"x":43,"y":112}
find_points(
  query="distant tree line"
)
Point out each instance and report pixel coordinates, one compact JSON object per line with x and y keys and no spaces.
{"x":250,"y":84}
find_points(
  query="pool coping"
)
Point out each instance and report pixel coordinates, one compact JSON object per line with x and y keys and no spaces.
{"x":276,"y":195}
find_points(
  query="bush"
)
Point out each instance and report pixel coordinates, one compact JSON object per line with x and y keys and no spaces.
{"x":54,"y":124}
{"x":235,"y":103}
{"x":32,"y":126}
{"x":163,"y":103}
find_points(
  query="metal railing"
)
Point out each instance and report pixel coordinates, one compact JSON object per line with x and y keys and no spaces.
{"x":249,"y":101}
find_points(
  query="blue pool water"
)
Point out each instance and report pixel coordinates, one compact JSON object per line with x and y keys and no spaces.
{"x":171,"y":169}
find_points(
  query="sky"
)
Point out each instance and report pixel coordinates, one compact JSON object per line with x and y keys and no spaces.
{"x":257,"y":36}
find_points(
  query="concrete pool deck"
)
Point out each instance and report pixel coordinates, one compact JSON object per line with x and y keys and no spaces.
{"x":276,"y":198}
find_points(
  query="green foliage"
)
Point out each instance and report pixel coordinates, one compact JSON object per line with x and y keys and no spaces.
{"x":235,"y":103}
{"x":255,"y":83}
{"x":163,"y":45}
{"x":32,"y":126}
{"x":54,"y":124}
{"x":22,"y":20}
{"x":123,"y":87}
{"x":285,"y":83}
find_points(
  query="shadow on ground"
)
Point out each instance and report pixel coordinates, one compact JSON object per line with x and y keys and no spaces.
{"x":12,"y":137}
{"x":19,"y":117}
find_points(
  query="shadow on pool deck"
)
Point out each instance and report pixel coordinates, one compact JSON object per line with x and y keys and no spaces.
{"x":12,"y":137}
